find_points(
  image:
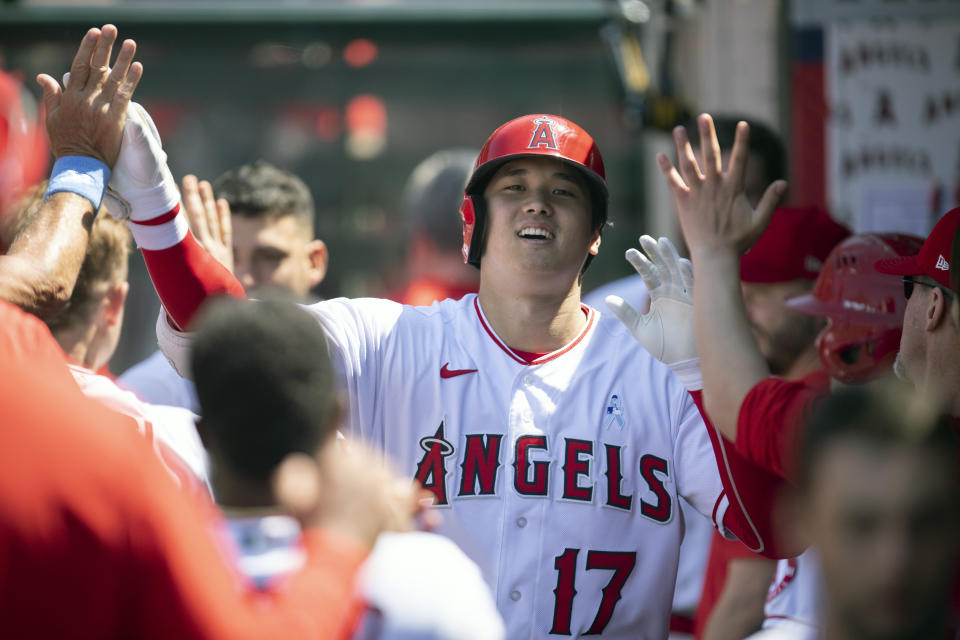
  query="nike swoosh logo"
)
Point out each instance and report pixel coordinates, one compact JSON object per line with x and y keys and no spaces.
{"x":446,"y":372}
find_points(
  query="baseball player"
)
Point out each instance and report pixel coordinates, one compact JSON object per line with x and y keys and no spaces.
{"x":266,"y":386}
{"x":496,"y":402}
{"x":765,"y":415}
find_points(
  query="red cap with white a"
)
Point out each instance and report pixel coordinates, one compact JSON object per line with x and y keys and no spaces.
{"x":934,"y":257}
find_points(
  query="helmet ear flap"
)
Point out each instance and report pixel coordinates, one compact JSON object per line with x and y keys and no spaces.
{"x":471,"y":215}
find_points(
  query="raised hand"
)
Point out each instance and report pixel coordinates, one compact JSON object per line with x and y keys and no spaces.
{"x":666,"y":330}
{"x":141,"y":186}
{"x":711,"y":204}
{"x":86,"y":117}
{"x":209,"y":219}
{"x":347,"y":488}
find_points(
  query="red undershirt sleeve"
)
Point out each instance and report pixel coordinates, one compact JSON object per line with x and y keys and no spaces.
{"x":185,"y":275}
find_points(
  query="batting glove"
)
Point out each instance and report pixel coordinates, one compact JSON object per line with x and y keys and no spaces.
{"x":141,"y":186}
{"x":666,"y":331}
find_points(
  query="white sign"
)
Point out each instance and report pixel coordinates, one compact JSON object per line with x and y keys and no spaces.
{"x":893,"y":136}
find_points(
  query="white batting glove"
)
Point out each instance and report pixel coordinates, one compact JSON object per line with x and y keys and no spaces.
{"x":666,"y":331}
{"x":141,"y":186}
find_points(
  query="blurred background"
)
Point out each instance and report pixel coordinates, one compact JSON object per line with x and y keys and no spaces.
{"x":351,"y":95}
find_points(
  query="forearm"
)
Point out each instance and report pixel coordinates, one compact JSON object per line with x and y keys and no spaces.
{"x":739,"y":610}
{"x":40,"y":269}
{"x":185,"y":275}
{"x":729,"y":358}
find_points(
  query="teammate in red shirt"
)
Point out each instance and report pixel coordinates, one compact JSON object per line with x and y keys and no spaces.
{"x":103,"y":545}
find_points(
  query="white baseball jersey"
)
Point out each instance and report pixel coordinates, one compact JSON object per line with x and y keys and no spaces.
{"x":631,"y":288}
{"x":156,"y":382}
{"x":560,"y":478}
{"x":794,"y":595}
{"x":168,"y":429}
{"x":406,"y":599}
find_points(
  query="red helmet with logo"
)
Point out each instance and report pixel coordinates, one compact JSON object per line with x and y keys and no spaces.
{"x":537,"y":135}
{"x":864,"y":309}
{"x":24,"y":153}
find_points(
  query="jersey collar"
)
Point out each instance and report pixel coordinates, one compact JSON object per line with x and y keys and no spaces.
{"x":591,"y":320}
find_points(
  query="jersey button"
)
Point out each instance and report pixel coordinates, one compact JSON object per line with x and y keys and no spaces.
{"x":528,"y":380}
{"x":521,"y":522}
{"x":515,"y":595}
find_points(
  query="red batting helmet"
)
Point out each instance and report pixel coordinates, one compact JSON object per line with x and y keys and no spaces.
{"x":537,"y":135}
{"x":864,"y":309}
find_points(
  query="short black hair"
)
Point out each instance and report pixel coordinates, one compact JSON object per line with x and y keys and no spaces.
{"x":261,"y":190}
{"x":884,"y":413}
{"x":264,"y":381}
{"x":763,"y":141}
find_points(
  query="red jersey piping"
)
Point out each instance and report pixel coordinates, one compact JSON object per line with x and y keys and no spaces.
{"x":591,"y":318}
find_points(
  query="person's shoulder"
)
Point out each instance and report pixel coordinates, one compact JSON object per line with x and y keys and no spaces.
{"x":630,"y":288}
{"x":25,"y":338}
{"x":383,"y":308}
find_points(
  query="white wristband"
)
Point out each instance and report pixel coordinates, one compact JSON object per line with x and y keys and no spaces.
{"x":689,"y":373}
{"x":154,"y":237}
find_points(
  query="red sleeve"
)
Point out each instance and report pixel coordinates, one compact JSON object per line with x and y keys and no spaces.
{"x":185,"y":275}
{"x":771,"y":420}
{"x":752,"y":493}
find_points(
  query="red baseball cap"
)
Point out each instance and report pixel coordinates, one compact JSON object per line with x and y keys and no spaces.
{"x":934,"y":257}
{"x":794,"y":246}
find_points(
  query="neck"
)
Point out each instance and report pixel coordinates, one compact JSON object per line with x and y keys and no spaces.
{"x":237,"y":493}
{"x":942,"y":374}
{"x":80,"y":345}
{"x":535,"y":323}
{"x":805,"y":364}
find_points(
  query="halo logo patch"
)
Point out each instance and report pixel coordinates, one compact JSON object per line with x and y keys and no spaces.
{"x":543,"y":136}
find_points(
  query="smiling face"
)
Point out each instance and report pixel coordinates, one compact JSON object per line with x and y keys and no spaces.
{"x":538,"y":219}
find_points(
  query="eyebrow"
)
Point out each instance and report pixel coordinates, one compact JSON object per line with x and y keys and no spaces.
{"x":557,"y":174}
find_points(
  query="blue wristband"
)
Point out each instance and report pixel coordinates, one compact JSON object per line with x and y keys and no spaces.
{"x":82,"y":175}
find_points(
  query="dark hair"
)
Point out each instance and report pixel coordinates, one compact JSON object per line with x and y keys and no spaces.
{"x":763,"y":141}
{"x":433,"y":194}
{"x":881,"y":413}
{"x":261,"y":190}
{"x":265,"y":383}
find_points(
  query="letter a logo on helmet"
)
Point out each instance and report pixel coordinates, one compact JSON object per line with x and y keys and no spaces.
{"x":543,"y":136}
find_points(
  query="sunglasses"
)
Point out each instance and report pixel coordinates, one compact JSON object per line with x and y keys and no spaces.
{"x":908,"y":283}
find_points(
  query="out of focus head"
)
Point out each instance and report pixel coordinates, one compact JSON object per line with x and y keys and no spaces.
{"x":930,"y":341}
{"x":433,"y":194}
{"x":272,"y":215}
{"x":879,"y":503}
{"x":536,"y":136}
{"x":864,"y":309}
{"x":782,"y":264}
{"x":24,"y":152}
{"x":767,"y":159}
{"x":265,"y":385}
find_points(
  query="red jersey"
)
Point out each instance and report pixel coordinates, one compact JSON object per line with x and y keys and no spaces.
{"x":772,"y":417}
{"x":96,"y":541}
